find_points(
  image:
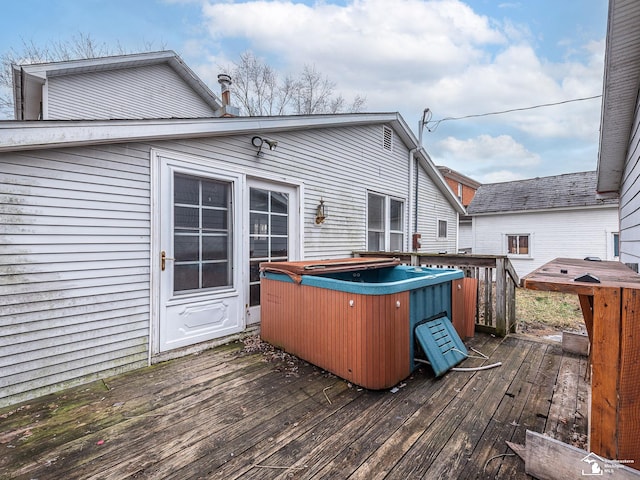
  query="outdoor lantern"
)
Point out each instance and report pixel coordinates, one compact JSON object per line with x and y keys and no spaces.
{"x":321,"y":213}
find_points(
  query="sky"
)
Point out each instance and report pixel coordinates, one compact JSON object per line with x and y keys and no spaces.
{"x":470,"y":58}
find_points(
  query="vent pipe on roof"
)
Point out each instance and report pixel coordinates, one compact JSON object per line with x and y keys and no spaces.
{"x":227,"y":110}
{"x":225,"y":81}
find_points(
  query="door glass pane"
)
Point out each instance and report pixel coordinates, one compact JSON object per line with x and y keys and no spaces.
{"x":259,"y":247}
{"x":279,"y":202}
{"x":202,"y":233}
{"x":214,"y":247}
{"x":279,"y":247}
{"x":186,"y":277}
{"x":215,"y":194}
{"x":215,"y":275}
{"x":259,"y":223}
{"x":186,"y":248}
{"x":185,"y":190}
{"x":186,"y":218}
{"x":258,"y":200}
{"x":214,"y":219}
{"x":279,"y":224}
{"x":268,"y":234}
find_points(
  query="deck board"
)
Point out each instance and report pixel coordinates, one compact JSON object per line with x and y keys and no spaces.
{"x":230,"y":413}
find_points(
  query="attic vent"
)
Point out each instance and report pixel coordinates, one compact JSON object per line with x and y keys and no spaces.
{"x":387,"y":140}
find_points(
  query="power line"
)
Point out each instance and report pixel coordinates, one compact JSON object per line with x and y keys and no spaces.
{"x":436,"y":123}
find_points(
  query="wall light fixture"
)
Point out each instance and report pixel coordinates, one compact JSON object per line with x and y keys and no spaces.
{"x":257,"y":142}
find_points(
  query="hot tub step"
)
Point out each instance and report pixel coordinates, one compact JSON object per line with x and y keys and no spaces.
{"x":441,"y":344}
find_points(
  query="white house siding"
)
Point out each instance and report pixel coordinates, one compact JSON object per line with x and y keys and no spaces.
{"x":338,"y":165}
{"x":465,"y":236}
{"x":75,"y":223}
{"x":630,"y":199}
{"x":432,"y":206}
{"x":74,"y":267}
{"x":154,"y":91}
{"x":574,"y":233}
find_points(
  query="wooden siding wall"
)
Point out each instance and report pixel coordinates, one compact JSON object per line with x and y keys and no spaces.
{"x":432,"y":206}
{"x":630,"y":198}
{"x":568,"y":233}
{"x":154,"y":91}
{"x":74,"y":268}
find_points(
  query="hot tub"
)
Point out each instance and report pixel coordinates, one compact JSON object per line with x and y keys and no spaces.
{"x":352,"y":317}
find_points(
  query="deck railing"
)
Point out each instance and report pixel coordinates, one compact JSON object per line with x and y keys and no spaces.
{"x":497,"y":282}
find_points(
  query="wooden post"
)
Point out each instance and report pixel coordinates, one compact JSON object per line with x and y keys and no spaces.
{"x":501,"y":299}
{"x":606,"y":370}
{"x":629,"y":407}
{"x":488,"y":300}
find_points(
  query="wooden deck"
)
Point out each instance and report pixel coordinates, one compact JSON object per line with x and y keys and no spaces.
{"x":231,"y":413}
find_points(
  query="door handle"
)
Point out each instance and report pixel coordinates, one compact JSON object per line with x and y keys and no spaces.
{"x":163,"y":260}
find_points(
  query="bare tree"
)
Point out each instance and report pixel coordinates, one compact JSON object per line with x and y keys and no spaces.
{"x":79,"y":46}
{"x":258,"y":90}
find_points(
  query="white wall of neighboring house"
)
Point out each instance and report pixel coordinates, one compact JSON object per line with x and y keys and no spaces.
{"x":465,"y":236}
{"x":575,"y":233}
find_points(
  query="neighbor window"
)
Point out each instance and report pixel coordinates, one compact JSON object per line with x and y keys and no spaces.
{"x":442,"y":229}
{"x":385,"y":223}
{"x":518,"y":244}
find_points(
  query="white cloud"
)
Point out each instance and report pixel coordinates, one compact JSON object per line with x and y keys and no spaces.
{"x":487,"y":159}
{"x":405,"y":56}
{"x":365,"y":39}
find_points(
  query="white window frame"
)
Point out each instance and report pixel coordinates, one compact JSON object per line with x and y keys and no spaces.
{"x":387,"y":231}
{"x":529,"y":236}
{"x":446,"y":229}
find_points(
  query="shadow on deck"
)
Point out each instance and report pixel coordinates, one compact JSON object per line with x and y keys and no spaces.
{"x":235,"y":412}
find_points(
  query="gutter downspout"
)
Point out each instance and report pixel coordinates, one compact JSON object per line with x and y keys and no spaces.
{"x":21,"y":94}
{"x":413,"y":201}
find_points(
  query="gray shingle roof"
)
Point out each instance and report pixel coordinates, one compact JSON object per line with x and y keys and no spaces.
{"x":560,"y":191}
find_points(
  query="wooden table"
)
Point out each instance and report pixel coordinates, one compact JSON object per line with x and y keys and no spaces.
{"x":611,"y":311}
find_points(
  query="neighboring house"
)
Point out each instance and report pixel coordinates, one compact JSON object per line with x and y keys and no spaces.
{"x":130,"y":241}
{"x":619,"y":158}
{"x":536,"y":220}
{"x":465,"y":189}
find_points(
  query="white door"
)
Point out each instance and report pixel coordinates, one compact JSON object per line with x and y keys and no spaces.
{"x":200,"y":278}
{"x":273,"y":233}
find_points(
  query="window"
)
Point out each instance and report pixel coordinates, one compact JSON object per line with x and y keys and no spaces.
{"x":442,"y":229}
{"x":518,"y":244}
{"x":616,"y":245}
{"x":202,"y":233}
{"x":385,"y":223}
